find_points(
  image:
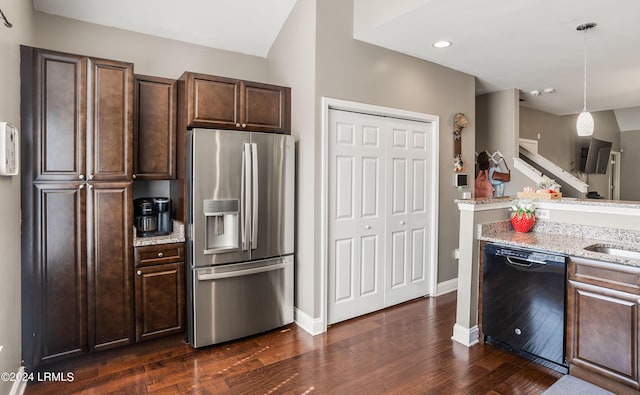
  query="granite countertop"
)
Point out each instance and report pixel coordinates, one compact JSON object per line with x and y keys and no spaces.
{"x":565,"y":239}
{"x":568,"y":201}
{"x":176,"y":237}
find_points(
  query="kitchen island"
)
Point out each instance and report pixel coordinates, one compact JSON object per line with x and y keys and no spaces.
{"x":603,"y":288}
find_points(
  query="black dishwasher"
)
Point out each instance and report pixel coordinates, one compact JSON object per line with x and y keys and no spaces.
{"x":523,"y":302}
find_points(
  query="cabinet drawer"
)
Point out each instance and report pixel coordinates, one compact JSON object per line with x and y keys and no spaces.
{"x":159,"y":254}
{"x":615,"y":276}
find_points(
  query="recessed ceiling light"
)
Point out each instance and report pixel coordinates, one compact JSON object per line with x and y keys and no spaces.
{"x":442,"y":44}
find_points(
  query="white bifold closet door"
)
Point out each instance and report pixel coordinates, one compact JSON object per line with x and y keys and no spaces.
{"x":378,"y":212}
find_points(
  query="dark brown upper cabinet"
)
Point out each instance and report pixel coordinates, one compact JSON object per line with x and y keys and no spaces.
{"x":226,"y":103}
{"x":154,"y":128}
{"x":82,"y":114}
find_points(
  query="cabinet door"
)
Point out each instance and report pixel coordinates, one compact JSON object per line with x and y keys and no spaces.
{"x":109,"y":264}
{"x":159,"y":300}
{"x":155,"y":128}
{"x":58,"y":114}
{"x":602,"y":334}
{"x":58,"y":284}
{"x":110,"y":123}
{"x":213,"y":102}
{"x":265,"y":107}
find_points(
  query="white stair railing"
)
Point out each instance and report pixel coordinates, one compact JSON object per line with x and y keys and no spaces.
{"x":557,"y":172}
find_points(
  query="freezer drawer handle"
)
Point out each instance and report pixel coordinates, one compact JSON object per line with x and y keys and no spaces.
{"x":217,"y":276}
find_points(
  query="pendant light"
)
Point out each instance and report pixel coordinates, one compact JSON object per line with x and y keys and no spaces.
{"x":584,"y":124}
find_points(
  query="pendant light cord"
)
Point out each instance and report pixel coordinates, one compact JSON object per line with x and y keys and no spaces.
{"x":585,"y":70}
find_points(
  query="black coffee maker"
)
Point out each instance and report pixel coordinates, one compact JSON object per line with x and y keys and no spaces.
{"x":152,"y":216}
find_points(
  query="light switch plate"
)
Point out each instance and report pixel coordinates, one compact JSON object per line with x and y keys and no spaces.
{"x":9,"y":149}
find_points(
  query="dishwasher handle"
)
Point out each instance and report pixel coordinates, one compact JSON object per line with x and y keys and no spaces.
{"x":521,"y":262}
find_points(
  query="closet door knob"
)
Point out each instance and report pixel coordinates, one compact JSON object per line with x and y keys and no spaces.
{"x":160,"y":255}
{"x":139,"y":272}
{"x":367,"y":227}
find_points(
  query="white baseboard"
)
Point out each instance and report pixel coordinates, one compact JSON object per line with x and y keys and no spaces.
{"x":314,"y":326}
{"x":447,"y":286}
{"x":466,"y":336}
{"x":19,"y":386}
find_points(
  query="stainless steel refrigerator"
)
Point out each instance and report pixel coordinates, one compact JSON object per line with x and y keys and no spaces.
{"x":240,"y":234}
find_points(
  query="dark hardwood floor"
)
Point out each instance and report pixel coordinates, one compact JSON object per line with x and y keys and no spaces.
{"x":405,"y":349}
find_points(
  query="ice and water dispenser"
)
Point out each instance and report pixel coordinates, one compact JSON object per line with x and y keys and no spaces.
{"x":221,"y":225}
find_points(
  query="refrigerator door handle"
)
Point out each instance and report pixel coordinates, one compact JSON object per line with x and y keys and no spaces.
{"x":255,"y":195}
{"x":245,"y":195}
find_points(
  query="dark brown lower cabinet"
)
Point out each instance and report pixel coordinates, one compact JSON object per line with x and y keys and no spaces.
{"x":77,"y":262}
{"x":159,"y":289}
{"x":109,"y":265}
{"x":602,"y":323}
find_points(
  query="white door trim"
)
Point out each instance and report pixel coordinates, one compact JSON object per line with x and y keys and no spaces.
{"x":330,"y":103}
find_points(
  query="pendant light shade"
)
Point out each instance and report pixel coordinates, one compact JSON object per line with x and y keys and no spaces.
{"x":584,"y":124}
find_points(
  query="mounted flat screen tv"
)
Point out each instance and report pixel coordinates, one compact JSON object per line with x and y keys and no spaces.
{"x":597,"y":156}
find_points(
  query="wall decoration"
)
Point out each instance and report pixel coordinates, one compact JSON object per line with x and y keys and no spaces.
{"x":459,"y":123}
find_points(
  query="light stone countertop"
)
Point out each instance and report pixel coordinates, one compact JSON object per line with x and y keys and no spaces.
{"x":566,"y":239}
{"x":567,"y":201}
{"x":176,"y":237}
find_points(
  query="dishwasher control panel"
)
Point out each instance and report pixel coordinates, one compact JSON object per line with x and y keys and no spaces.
{"x":529,"y":255}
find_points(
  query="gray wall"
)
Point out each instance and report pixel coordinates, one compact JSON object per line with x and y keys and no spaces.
{"x":151,"y":55}
{"x":19,"y":12}
{"x":630,"y":168}
{"x":498,"y":124}
{"x":291,"y":62}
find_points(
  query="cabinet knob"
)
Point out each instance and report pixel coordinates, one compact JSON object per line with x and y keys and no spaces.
{"x":160,"y":255}
{"x":401,"y":222}
{"x":81,"y":176}
{"x":90,"y":186}
{"x":91,"y":176}
{"x":134,"y":176}
{"x":367,"y":227}
{"x":139,"y":272}
{"x":81,"y":186}
{"x":244,"y":125}
{"x":238,"y":124}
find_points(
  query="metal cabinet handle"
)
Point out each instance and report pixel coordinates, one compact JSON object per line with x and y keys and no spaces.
{"x":91,"y":176}
{"x":133,"y":176}
{"x":238,"y":124}
{"x":244,"y":125}
{"x":81,"y":186}
{"x":160,"y":255}
{"x":81,"y":176}
{"x":139,"y":272}
{"x":90,"y":186}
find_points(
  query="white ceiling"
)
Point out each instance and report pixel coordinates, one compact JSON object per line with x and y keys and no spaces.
{"x":522,"y":44}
